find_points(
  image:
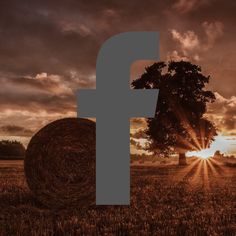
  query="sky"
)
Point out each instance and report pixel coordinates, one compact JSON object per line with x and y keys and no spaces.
{"x":48,"y":50}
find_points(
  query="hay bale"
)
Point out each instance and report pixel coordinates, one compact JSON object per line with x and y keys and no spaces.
{"x":60,"y":163}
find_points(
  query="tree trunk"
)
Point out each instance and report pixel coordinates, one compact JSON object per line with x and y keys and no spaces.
{"x":182,"y":159}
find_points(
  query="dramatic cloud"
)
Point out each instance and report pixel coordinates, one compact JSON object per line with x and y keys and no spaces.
{"x":52,"y":93}
{"x":175,"y":56}
{"x":185,"y":6}
{"x":137,"y":123}
{"x":139,"y":134}
{"x":188,"y":41}
{"x":48,"y":50}
{"x":136,"y":144}
{"x":14,"y":130}
{"x":190,"y":46}
{"x":213,"y":32}
{"x":223,"y":113}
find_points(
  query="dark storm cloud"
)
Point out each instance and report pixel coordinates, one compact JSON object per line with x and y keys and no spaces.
{"x":60,"y":39}
{"x":42,"y":93}
{"x":15,"y":130}
{"x":136,"y":144}
{"x":59,"y":36}
{"x":33,"y":40}
{"x":223,"y":113}
{"x":138,"y":123}
{"x":139,"y":134}
{"x":40,"y":102}
{"x":56,"y":36}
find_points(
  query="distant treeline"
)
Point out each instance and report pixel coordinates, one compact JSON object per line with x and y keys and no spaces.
{"x":11,"y":150}
{"x":152,"y":158}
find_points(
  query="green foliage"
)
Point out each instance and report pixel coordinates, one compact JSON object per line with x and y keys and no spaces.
{"x":179,"y":124}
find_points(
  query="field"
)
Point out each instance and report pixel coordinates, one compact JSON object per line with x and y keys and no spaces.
{"x":166,"y":199}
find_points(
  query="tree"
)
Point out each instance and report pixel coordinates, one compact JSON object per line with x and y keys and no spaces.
{"x":11,"y":149}
{"x":179,"y":124}
{"x":218,"y":154}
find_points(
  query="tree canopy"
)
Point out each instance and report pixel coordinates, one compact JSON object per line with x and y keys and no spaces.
{"x":180,"y":123}
{"x":11,"y":149}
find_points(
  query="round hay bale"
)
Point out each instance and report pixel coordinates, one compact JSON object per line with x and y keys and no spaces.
{"x":60,"y":163}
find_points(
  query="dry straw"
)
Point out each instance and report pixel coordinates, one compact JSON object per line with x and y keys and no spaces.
{"x":60,"y":163}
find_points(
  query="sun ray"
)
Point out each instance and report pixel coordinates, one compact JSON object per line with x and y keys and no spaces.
{"x":196,"y":175}
{"x":186,"y":170}
{"x":208,"y":138}
{"x":189,"y":145}
{"x":215,"y":161}
{"x":183,"y":173}
{"x":206,"y":183}
{"x":219,"y":167}
{"x":180,"y":113}
{"x":190,"y":131}
{"x":212,"y":167}
{"x":202,"y":136}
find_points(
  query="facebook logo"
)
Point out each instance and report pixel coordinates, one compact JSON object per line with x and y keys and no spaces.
{"x":113,"y":103}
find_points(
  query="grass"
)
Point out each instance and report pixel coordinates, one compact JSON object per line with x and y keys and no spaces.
{"x":166,"y":199}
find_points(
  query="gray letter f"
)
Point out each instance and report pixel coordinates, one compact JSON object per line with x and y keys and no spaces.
{"x":113,"y":104}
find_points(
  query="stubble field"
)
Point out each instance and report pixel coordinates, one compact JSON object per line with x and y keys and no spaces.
{"x":166,"y":199}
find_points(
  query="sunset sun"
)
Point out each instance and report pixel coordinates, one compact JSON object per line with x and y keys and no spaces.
{"x":221,"y":143}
